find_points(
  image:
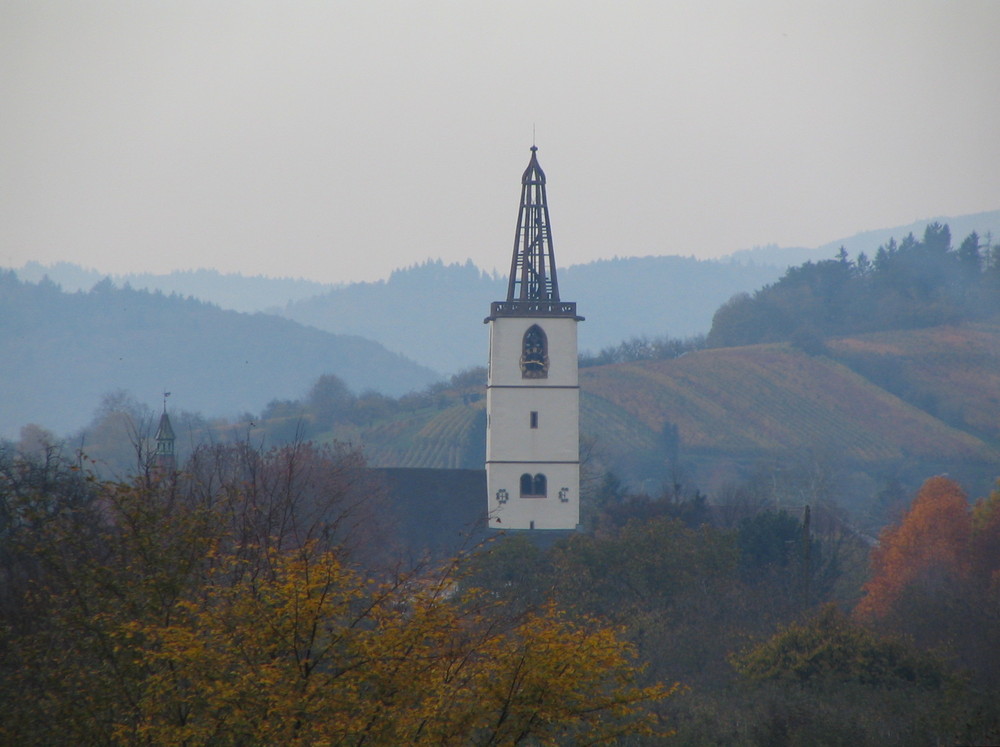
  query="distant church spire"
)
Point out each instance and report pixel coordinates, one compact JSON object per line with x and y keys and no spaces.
{"x":533,"y":266}
{"x":164,"y":457}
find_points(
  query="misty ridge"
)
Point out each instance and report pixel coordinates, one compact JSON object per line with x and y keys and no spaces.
{"x":60,"y":353}
{"x":638,"y":296}
{"x":63,"y":351}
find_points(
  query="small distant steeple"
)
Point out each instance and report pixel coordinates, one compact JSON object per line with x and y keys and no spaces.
{"x":164,"y":456}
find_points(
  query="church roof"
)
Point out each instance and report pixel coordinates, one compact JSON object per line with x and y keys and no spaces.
{"x":436,"y":511}
{"x":165,"y":432}
{"x":441,"y":512}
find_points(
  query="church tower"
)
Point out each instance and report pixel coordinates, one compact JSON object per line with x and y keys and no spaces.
{"x":164,"y":458}
{"x":532,"y":391}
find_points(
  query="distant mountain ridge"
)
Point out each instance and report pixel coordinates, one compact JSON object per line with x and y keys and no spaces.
{"x":622,"y":297}
{"x":432,"y":312}
{"x":61,"y":352}
{"x":227,"y":290}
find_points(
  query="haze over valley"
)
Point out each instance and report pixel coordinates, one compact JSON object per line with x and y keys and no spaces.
{"x":267,"y":477}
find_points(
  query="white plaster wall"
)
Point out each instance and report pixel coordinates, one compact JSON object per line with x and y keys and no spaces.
{"x":509,"y":435}
{"x":513,"y":447}
{"x":546,"y":513}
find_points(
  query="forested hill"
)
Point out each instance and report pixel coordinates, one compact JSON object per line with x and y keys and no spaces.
{"x":61,"y":352}
{"x":635,"y":296}
{"x":446,"y":303}
{"x":910,"y":284}
{"x":627,"y":297}
{"x":228,"y":290}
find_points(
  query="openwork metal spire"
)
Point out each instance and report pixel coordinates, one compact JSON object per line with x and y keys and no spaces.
{"x":533,"y":289}
{"x":533,"y":266}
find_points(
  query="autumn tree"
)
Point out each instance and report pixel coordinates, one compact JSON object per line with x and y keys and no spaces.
{"x":118,"y":438}
{"x":289,"y":495}
{"x":935,"y":579}
{"x":313,"y":654}
{"x":928,"y":547}
{"x":981,"y":612}
{"x":985,"y":542}
{"x":830,"y":680}
{"x":139,"y":552}
{"x":228,"y":604}
{"x":832,"y":647}
{"x":328,"y":400}
{"x":39,"y":485}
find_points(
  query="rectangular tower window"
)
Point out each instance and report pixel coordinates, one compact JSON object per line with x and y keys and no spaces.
{"x":534,"y":418}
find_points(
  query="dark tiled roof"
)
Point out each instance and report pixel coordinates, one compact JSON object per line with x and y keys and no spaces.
{"x":437,"y":511}
{"x":165,"y":432}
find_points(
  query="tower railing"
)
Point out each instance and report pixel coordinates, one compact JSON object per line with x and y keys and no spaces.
{"x":532,"y":308}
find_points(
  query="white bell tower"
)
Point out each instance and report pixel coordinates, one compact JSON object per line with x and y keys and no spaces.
{"x":532,"y":392}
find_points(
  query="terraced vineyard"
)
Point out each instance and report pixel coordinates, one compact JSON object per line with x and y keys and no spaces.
{"x":444,"y":438}
{"x":920,"y":400}
{"x":763,"y":400}
{"x":952,"y":372}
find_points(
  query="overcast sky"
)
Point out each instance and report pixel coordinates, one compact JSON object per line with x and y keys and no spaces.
{"x":340,"y":140}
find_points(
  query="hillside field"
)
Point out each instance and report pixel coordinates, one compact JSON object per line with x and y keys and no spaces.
{"x":899,"y":405}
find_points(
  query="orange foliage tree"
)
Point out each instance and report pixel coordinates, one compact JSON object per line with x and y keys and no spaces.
{"x":936,"y":578}
{"x":930,"y":545}
{"x":985,"y":548}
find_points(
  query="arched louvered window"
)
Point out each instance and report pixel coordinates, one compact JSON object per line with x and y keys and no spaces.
{"x":534,"y":354}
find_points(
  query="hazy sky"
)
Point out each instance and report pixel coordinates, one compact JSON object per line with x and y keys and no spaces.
{"x":340,"y":140}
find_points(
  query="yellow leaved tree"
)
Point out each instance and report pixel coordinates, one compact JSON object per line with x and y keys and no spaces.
{"x":231,"y":605}
{"x":312,"y":654}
